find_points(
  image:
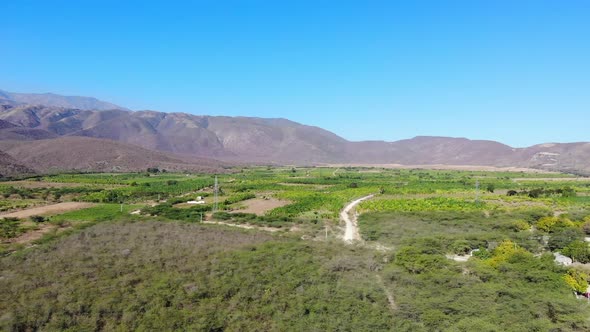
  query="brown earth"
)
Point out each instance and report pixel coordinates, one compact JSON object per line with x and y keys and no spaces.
{"x":48,"y":210}
{"x":43,"y":184}
{"x":444,"y":167}
{"x":259,"y":206}
{"x":33,"y":235}
{"x":91,"y":154}
{"x":10,"y":167}
{"x":576,"y":179}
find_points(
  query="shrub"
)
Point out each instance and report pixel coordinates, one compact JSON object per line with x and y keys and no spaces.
{"x":491,"y":187}
{"x":461,"y":247}
{"x":9,"y":227}
{"x":552,"y":224}
{"x":578,"y":251}
{"x":505,"y":252}
{"x":38,"y":219}
{"x":576,"y":280}
{"x":563,"y":238}
{"x":520,"y":225}
{"x":222,"y":215}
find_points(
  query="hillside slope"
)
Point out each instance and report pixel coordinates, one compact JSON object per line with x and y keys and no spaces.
{"x":248,"y":139}
{"x":98,"y":155}
{"x":10,"y":167}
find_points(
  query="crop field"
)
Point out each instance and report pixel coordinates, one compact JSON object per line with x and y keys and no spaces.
{"x":440,"y":250}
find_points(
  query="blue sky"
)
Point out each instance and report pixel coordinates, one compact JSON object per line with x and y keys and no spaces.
{"x":513,"y":71}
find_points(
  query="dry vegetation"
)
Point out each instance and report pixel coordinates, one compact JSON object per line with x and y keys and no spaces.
{"x":171,"y":276}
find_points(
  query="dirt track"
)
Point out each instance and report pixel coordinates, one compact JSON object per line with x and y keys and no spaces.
{"x":352,"y":230}
{"x":244,"y":226}
{"x":47,"y":210}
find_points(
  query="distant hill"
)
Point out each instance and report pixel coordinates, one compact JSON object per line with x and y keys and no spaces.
{"x":244,"y":139}
{"x":53,"y":100}
{"x":97,"y":155}
{"x":10,"y":167}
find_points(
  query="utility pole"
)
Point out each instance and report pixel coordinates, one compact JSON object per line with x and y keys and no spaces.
{"x":215,"y":194}
{"x":476,"y":191}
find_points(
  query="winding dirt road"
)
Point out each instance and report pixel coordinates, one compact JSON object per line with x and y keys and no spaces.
{"x":352,"y":231}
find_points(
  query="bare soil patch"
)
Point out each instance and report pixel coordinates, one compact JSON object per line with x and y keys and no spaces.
{"x":33,"y":235}
{"x":48,"y":210}
{"x":41,"y":184}
{"x":259,"y":206}
{"x":315,"y":186}
{"x":445,"y":167}
{"x":550,"y":179}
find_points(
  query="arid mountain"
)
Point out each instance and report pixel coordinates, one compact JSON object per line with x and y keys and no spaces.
{"x":97,"y":155}
{"x":9,"y":167}
{"x":249,"y":139}
{"x":423,"y":150}
{"x":243,"y":139}
{"x":50,"y":99}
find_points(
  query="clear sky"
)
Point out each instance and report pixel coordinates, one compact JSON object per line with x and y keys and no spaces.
{"x":513,"y":71}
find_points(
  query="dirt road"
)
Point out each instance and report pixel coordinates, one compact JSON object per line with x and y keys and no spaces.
{"x":263,"y":228}
{"x":352,"y":231}
{"x":48,"y":209}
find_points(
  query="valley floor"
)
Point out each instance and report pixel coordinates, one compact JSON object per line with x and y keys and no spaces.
{"x":294,"y":249}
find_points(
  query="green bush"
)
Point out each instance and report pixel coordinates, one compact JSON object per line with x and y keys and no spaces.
{"x":9,"y":228}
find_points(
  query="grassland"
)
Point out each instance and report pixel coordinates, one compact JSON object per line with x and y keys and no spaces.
{"x":139,"y":259}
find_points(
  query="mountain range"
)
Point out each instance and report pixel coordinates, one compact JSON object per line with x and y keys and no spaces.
{"x":49,"y":132}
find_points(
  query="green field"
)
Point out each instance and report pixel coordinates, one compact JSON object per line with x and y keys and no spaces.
{"x":104,"y":268}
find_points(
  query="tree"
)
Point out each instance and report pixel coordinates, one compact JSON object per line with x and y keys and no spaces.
{"x":564,"y":237}
{"x":491,"y":187}
{"x":578,"y":251}
{"x":568,"y":192}
{"x":153,"y":170}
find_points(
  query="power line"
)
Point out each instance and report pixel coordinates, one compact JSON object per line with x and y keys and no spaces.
{"x":477,"y":192}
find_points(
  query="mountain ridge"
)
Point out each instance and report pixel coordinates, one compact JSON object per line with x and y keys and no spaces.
{"x":55,"y":100}
{"x":272,"y":140}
